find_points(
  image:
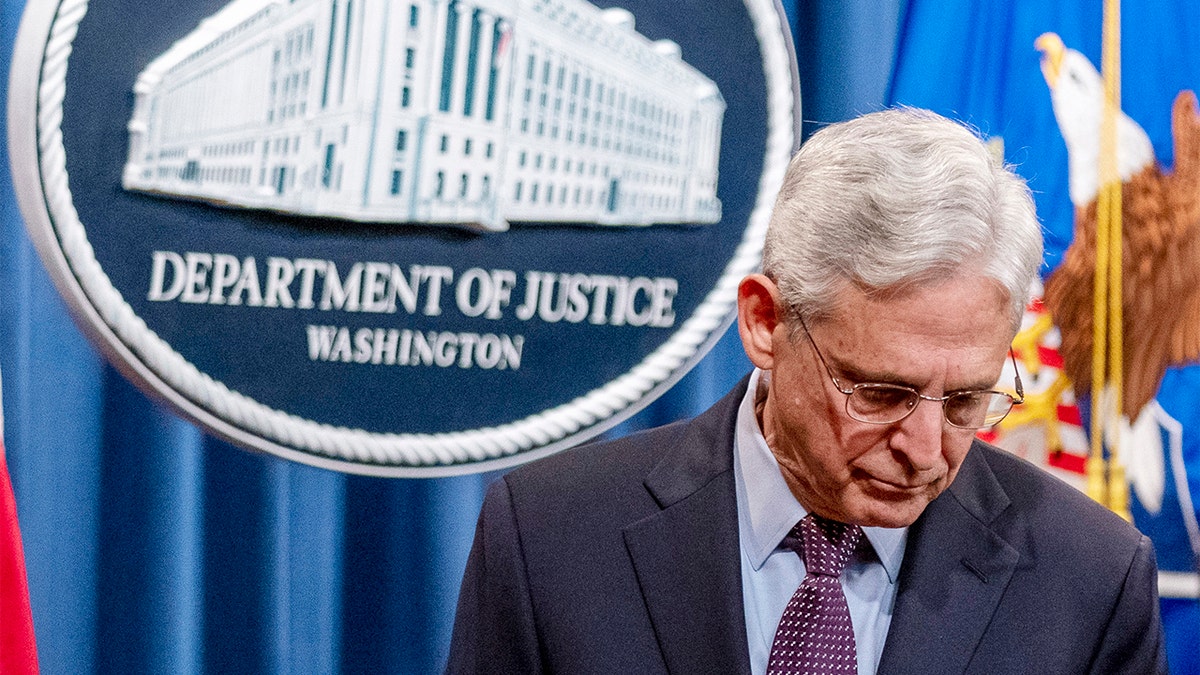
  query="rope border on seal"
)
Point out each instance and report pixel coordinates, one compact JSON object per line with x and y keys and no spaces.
{"x":331,"y":442}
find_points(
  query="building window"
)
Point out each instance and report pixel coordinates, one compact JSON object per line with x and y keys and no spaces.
{"x":439,"y":184}
{"x":486,"y":187}
{"x":410,"y":57}
{"x":467,"y":147}
{"x":498,"y":40}
{"x":517,"y":192}
{"x":463,"y":183}
{"x":472,"y":63}
{"x":397,"y":178}
{"x":327,"y":170}
{"x":445,"y":144}
{"x":401,"y":140}
{"x":414,"y":16}
{"x":487,"y":151}
{"x":451,"y":47}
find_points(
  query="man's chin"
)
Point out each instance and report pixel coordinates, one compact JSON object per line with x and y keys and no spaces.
{"x":893,"y":508}
{"x":892,"y":520}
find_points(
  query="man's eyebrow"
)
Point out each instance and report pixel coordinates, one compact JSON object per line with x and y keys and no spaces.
{"x":855,"y":375}
{"x":976,"y":386}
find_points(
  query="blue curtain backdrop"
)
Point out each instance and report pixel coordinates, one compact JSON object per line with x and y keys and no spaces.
{"x":152,"y":547}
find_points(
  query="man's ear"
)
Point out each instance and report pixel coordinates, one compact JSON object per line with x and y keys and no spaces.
{"x":758,"y":317}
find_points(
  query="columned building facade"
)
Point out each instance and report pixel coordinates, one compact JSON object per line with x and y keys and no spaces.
{"x":477,"y":112}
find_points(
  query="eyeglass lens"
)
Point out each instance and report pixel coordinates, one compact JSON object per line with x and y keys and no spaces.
{"x":884,"y":403}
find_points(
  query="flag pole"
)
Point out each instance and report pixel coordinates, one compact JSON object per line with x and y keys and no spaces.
{"x":1109,"y":325}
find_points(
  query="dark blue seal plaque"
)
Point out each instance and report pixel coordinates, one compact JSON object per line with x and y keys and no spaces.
{"x":402,"y":238}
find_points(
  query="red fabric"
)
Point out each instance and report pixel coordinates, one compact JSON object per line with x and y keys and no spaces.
{"x":1050,"y":356}
{"x":18,"y":652}
{"x":1068,"y":462}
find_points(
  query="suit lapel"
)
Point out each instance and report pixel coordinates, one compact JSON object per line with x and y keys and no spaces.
{"x":955,"y":570}
{"x":686,"y":556}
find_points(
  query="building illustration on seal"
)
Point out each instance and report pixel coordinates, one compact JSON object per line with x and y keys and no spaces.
{"x":476,"y":113}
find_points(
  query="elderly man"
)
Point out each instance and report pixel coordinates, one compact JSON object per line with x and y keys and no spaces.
{"x":834,"y":513}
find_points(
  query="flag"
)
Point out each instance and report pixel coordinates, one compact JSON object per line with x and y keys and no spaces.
{"x":18,"y":652}
{"x":975,"y":60}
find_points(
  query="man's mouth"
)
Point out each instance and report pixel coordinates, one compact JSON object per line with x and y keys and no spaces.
{"x":896,"y":486}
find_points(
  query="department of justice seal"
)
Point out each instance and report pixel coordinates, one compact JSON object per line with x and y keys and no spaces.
{"x":402,"y":238}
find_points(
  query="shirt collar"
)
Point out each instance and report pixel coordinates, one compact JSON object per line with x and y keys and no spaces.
{"x":768,"y":510}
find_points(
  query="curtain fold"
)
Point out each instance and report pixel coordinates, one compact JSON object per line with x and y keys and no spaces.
{"x":149,"y":537}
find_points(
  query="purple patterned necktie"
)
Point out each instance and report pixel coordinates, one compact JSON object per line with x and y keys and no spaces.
{"x":815,"y":636}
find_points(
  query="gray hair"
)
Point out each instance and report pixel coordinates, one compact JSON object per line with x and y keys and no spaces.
{"x":895,"y":198}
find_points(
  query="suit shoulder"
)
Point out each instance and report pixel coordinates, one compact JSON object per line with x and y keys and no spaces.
{"x":632,"y":454}
{"x":601,"y":477}
{"x":683,"y":453}
{"x":1055,"y":508}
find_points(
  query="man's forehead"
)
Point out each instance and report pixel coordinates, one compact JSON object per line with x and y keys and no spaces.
{"x":962,"y":290}
{"x":965,"y":320}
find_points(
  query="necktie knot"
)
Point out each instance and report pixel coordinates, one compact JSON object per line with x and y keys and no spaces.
{"x":825,"y":545}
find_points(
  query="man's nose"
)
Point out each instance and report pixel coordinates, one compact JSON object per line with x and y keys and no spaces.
{"x":919,"y":436}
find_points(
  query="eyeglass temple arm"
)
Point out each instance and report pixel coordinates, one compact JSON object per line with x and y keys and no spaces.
{"x":1016,"y":377}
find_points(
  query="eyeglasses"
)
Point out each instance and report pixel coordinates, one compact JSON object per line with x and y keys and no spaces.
{"x":881,"y":403}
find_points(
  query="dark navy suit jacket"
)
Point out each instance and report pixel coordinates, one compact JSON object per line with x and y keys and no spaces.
{"x":622,"y":557}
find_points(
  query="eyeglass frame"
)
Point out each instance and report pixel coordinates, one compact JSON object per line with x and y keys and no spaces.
{"x":1018,"y":400}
